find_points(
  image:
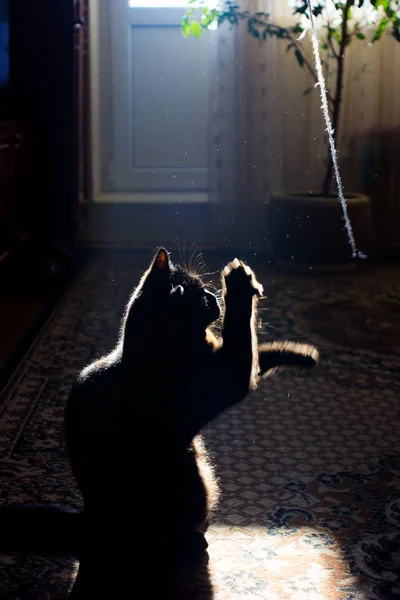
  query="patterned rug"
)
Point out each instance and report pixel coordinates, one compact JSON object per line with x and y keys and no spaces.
{"x":309,"y":466}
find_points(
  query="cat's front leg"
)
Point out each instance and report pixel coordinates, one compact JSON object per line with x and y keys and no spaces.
{"x":239,"y":341}
{"x":233,"y":369}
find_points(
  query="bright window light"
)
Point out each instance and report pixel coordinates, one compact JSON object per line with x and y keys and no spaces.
{"x":158,"y":3}
{"x":167,"y":3}
{"x":210,"y":4}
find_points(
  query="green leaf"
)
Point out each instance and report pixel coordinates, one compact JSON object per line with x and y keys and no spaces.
{"x":196,"y":29}
{"x":361,"y":36}
{"x":381,"y":29}
{"x":337,"y":35}
{"x":318,"y":10}
{"x":299,"y":57}
{"x":301,"y":10}
{"x":185,"y":26}
{"x":384,"y":3}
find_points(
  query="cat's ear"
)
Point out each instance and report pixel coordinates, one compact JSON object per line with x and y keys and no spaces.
{"x":161,"y":261}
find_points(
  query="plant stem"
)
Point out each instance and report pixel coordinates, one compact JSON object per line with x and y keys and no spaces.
{"x":337,"y":99}
{"x":331,"y":45}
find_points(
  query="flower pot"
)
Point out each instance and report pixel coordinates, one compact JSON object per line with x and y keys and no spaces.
{"x":308,"y":230}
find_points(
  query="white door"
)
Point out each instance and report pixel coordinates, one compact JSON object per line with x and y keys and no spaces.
{"x":151,"y":105}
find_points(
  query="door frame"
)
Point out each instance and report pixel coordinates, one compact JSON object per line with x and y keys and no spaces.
{"x":146,"y":219}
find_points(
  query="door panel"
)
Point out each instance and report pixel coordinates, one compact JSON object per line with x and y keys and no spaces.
{"x":159,"y":93}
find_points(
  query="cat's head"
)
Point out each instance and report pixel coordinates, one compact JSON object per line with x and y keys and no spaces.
{"x":177,"y":296}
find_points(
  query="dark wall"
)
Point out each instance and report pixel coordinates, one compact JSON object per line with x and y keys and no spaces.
{"x":42,"y":75}
{"x":4,"y":10}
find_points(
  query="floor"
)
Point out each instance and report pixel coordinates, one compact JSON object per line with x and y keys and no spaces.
{"x":29,"y":289}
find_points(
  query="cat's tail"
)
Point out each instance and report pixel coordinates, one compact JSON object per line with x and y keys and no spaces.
{"x":276,"y":354}
{"x":39,"y":529}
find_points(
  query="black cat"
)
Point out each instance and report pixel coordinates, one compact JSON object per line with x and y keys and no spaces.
{"x":133,"y":423}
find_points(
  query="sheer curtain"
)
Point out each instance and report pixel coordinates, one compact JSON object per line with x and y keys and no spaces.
{"x":267,"y":135}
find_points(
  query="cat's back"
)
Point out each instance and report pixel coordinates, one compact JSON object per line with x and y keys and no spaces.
{"x":94,"y":395}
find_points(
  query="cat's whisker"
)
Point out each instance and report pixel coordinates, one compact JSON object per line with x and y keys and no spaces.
{"x":184,"y":262}
{"x":180,"y":253}
{"x":184,"y":249}
{"x":192,"y":251}
{"x":217,"y":272}
{"x":200,"y":264}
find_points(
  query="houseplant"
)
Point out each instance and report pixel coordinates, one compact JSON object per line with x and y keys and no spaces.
{"x":309,"y":227}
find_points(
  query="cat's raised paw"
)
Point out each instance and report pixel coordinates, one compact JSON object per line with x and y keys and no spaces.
{"x":239,"y":278}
